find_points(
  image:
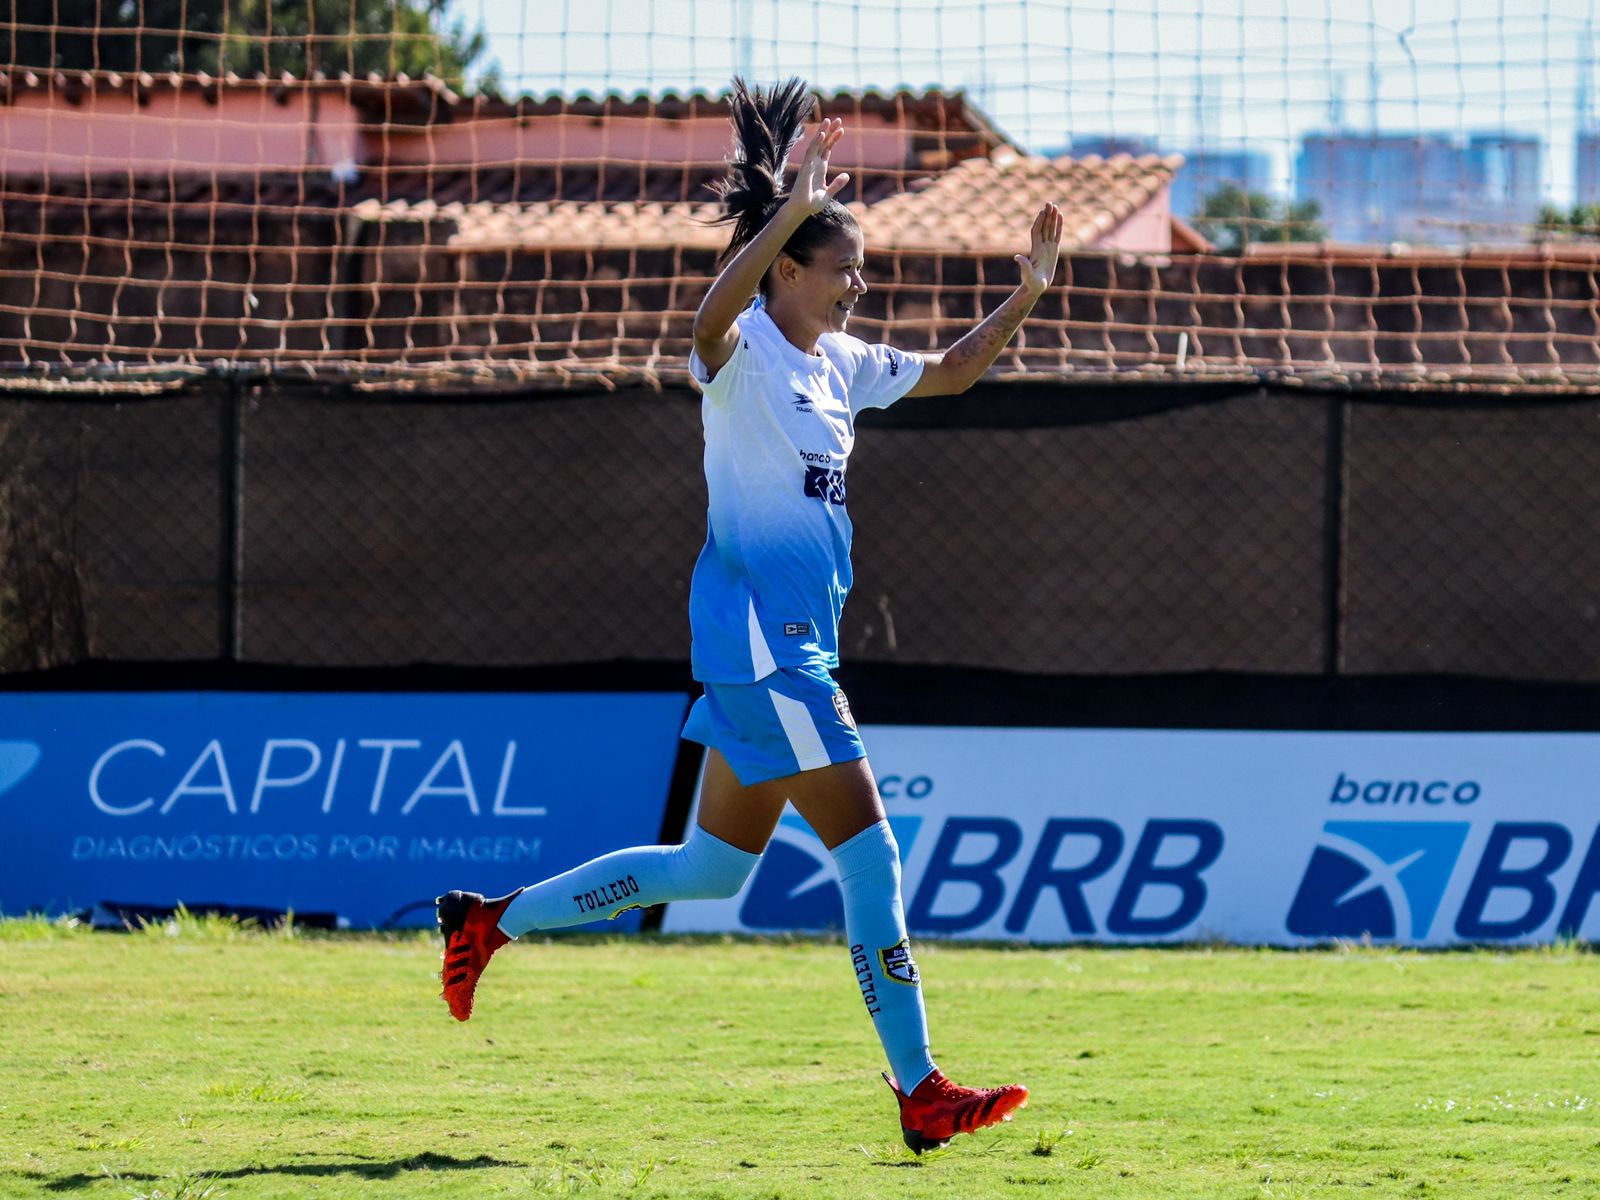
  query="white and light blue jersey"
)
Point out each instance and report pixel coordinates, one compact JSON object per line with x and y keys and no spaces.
{"x":779,"y":426}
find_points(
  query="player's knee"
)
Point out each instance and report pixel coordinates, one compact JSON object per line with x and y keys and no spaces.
{"x":871,"y":859}
{"x":728,"y":876}
{"x":726,"y":885}
{"x":717,"y":869}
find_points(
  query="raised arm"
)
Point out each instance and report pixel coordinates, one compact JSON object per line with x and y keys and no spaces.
{"x":715,"y":331}
{"x":961,"y":366}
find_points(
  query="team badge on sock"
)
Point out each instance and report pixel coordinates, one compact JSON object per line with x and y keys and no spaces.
{"x":898,"y":963}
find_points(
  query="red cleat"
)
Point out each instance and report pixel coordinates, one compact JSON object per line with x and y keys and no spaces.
{"x":471,"y":928}
{"x":938,"y":1109}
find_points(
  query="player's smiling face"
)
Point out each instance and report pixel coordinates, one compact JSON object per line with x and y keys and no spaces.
{"x":807,"y":300}
{"x":837,"y":278}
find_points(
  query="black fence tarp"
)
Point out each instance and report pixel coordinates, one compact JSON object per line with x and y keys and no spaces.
{"x":1118,"y":531}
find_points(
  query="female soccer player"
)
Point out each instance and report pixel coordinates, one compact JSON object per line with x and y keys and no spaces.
{"x":782,"y":384}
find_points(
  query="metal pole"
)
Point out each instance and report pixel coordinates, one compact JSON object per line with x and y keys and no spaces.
{"x":230,"y":540}
{"x":1333,"y":537}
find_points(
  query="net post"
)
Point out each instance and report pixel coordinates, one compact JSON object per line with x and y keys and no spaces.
{"x":1333,"y":535}
{"x":230,"y":499}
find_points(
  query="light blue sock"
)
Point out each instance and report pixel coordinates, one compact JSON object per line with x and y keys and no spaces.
{"x":703,"y":868}
{"x":875,"y":924}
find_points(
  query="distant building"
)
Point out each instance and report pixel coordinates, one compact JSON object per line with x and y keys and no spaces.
{"x":1422,"y":187}
{"x":1107,"y":145}
{"x":929,"y":173}
{"x":1587,"y":167}
{"x":1507,"y":171}
{"x":1206,"y":170}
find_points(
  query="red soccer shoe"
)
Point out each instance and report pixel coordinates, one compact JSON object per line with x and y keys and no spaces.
{"x":938,"y":1109}
{"x":471,"y":928}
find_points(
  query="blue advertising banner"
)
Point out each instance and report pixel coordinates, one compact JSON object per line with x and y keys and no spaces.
{"x":365,"y":806}
{"x":1285,"y":838}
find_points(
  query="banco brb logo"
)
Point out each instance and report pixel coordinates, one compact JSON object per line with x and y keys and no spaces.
{"x":17,"y":760}
{"x":796,"y":885}
{"x":1379,"y":879}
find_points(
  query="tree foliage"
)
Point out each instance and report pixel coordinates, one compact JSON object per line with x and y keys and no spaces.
{"x":1581,"y":222}
{"x":245,"y":36}
{"x":1233,"y":218}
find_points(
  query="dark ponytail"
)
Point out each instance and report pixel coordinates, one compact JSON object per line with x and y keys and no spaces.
{"x":766,"y":126}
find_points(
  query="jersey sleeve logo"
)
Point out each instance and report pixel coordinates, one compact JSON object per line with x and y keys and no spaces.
{"x":825,"y":484}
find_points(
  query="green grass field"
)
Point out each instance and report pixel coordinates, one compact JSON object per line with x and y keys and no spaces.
{"x":201,"y":1061}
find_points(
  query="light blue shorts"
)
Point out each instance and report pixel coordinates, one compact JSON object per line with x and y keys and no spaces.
{"x":796,"y":719}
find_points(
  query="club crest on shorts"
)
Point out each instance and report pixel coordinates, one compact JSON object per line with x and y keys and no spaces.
{"x":898,"y":964}
{"x":842,"y":707}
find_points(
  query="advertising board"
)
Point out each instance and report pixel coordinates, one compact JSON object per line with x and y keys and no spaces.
{"x":364,"y":806}
{"x":1056,"y":835}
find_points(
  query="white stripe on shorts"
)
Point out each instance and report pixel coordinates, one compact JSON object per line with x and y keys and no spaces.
{"x":801,"y":731}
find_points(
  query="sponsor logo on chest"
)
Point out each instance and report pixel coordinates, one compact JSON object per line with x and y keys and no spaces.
{"x":828,"y":423}
{"x":814,"y":396}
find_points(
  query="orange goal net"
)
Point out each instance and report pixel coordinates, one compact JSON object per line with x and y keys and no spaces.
{"x":397,"y":194}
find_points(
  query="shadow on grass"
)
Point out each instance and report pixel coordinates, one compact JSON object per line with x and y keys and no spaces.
{"x":361,"y":1168}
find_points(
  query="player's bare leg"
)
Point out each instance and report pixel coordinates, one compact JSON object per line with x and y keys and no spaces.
{"x":741,"y":816}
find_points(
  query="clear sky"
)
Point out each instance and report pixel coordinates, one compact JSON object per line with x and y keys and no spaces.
{"x":1189,"y":72}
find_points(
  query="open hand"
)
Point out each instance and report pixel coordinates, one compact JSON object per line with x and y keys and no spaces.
{"x":1038,"y":266}
{"x":812,"y":191}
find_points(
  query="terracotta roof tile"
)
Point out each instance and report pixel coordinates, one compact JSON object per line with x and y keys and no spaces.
{"x":429,"y":99}
{"x":552,"y":224}
{"x":392,"y":99}
{"x":985,"y":206}
{"x":978,"y":207}
{"x":925,"y":108}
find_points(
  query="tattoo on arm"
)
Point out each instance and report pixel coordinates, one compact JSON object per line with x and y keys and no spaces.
{"x":974,"y":353}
